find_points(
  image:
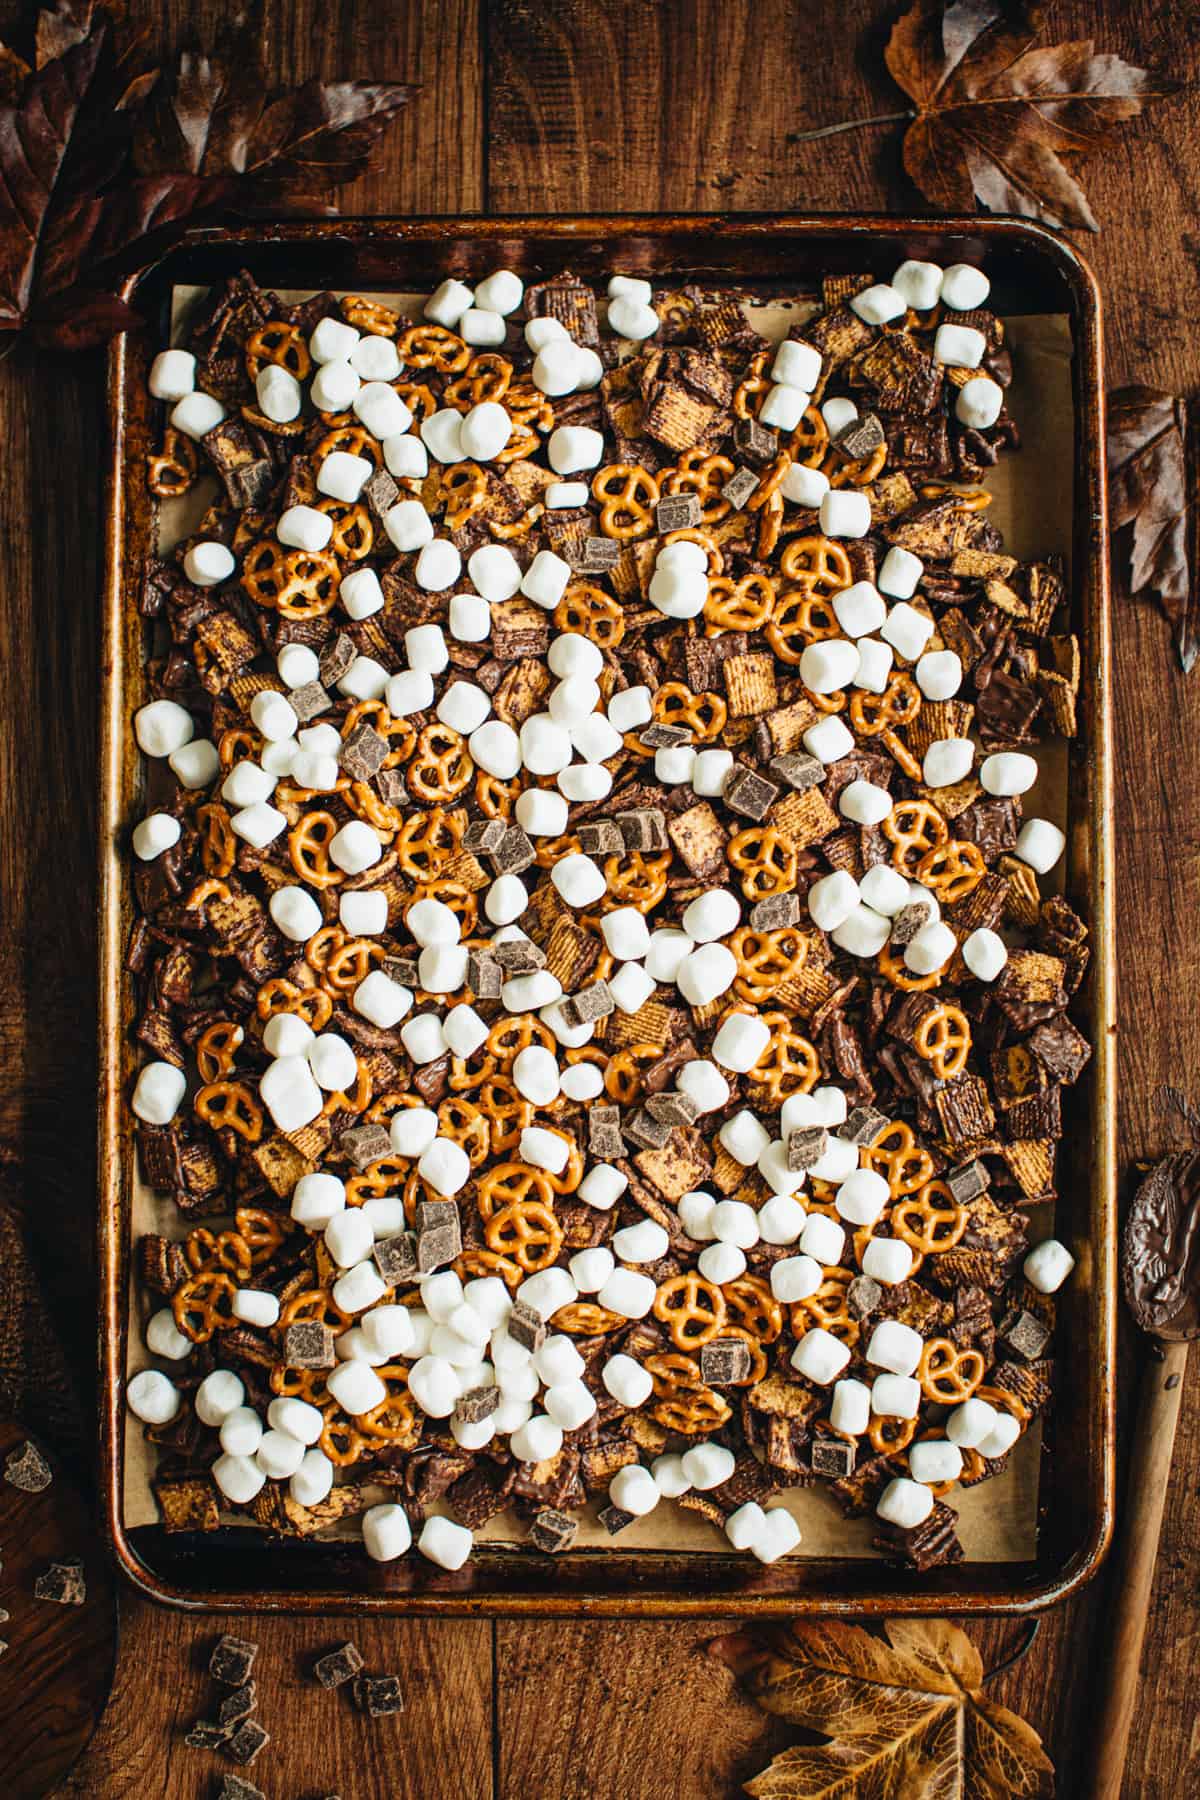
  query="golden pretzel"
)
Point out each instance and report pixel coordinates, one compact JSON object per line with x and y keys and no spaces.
{"x":899,"y":704}
{"x":510,"y":1184}
{"x":637,"y":880}
{"x":393,"y":1420}
{"x":788,"y":1065}
{"x":888,"y":1435}
{"x":705,"y":476}
{"x":752,"y":1309}
{"x":476,"y":1262}
{"x":355,"y":440}
{"x":584,"y":1318}
{"x":895,"y":1156}
{"x":463,"y":492}
{"x":893,"y":968}
{"x":230,"y":1106}
{"x":744,"y":605}
{"x":279,"y":343}
{"x":930,"y":1221}
{"x":623,"y":1075}
{"x":948,"y":1375}
{"x":426,"y":842}
{"x":702,"y":714}
{"x":342,"y":1443}
{"x":203,"y":1305}
{"x":203,"y":1251}
{"x":506,"y":1111}
{"x":766,"y":958}
{"x":218,"y":846}
{"x":433,"y":347}
{"x":818,"y":566}
{"x":943,"y":1038}
{"x":217,"y":1048}
{"x":278,"y":995}
{"x":799,"y":619}
{"x":592,"y":613}
{"x":370,"y":316}
{"x":913,"y":827}
{"x":952,"y":870}
{"x":692,"y":1309}
{"x":750,"y":393}
{"x":766,"y":860}
{"x":859,"y":472}
{"x":353,"y":533}
{"x":441,"y":766}
{"x":809,"y":441}
{"x":769,"y":482}
{"x":172,"y":470}
{"x":487,"y":377}
{"x":308,"y":848}
{"x":508,"y":1037}
{"x":526,"y":1231}
{"x":694,"y":1416}
{"x":627,"y":495}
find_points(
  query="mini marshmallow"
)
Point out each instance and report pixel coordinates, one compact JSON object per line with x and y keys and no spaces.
{"x":795,"y":1278}
{"x":874,"y":665}
{"x":485,"y":430}
{"x":859,"y":609}
{"x":279,"y":394}
{"x":631,"y":286}
{"x":838,"y":412}
{"x":678,"y":593}
{"x":437,"y":567}
{"x":631,"y":987}
{"x":333,"y":1062}
{"x":317,"y":1199}
{"x":575,"y":447}
{"x":627,"y":1293}
{"x":861,"y":1198}
{"x":365,"y":679}
{"x":544,"y":1149}
{"x":590,"y":1269}
{"x":295,"y":913}
{"x":158,"y":1093}
{"x":784,"y":407}
{"x":172,"y":374}
{"x":526,"y":993}
{"x":538,"y":1440}
{"x":632,"y":318}
{"x":152,"y":1397}
{"x":899,"y":574}
{"x":247,"y":783}
{"x":218,"y":1395}
{"x":470,"y":618}
{"x":626,"y":1380}
{"x":1048,"y":1265}
{"x":207,"y":563}
{"x":334,"y":387}
{"x":964,"y":287}
{"x":506,"y":899}
{"x":164,"y":1338}
{"x":162,"y":727}
{"x":665,"y":952}
{"x":278,"y":1455}
{"x":832,"y":899}
{"x":683,"y":553}
{"x":332,"y":340}
{"x":823,"y":1239}
{"x":828,"y":664}
{"x":405,"y":455}
{"x":501,"y":292}
{"x":296,"y":1418}
{"x":634,"y":1490}
{"x":934,"y":1460}
{"x":895,"y":1347}
{"x":961,"y":346}
{"x":1040,"y":844}
{"x":241,"y":1432}
{"x":797,"y":364}
{"x":582,"y":1081}
{"x":744,"y":1137}
{"x":463,"y":706}
{"x":355,"y":847}
{"x":695,"y":1214}
{"x":258,"y":825}
{"x":441,"y":1294}
{"x":343,"y":476}
{"x":845,"y":513}
{"x":556,"y":367}
{"x":545,"y":749}
{"x":254,"y":1307}
{"x":239,"y":1478}
{"x":1008,"y":772}
{"x":445,"y":1167}
{"x":558,"y":1360}
{"x":720,"y":1263}
{"x":864,"y":803}
{"x":740,"y":1042}
{"x":979,"y":403}
{"x":907,"y":630}
{"x":780,"y":1220}
{"x":386,"y":1532}
{"x":380,"y":410}
{"x":919,"y":284}
{"x":349,"y":1237}
{"x":778,"y":1535}
{"x":593,"y":736}
{"x":931,"y":949}
{"x":879,"y":304}
{"x":195,"y":765}
{"x":895,"y":1397}
{"x":850,"y":1408}
{"x":969,"y":1425}
{"x":645,"y":1242}
{"x":585,"y":781}
{"x":839,"y":1160}
{"x":375,"y":359}
{"x":985,"y":954}
{"x":569,"y":1404}
{"x":435,"y":1385}
{"x":464,"y":1031}
{"x":448,"y":302}
{"x":1001,"y":1438}
{"x":712,"y":915}
{"x":413,"y":1129}
{"x":947,"y":761}
{"x":669,"y":1476}
{"x":196,"y":415}
{"x":864,"y":933}
{"x":603,"y":1186}
{"x":381,"y":1000}
{"x":708,"y":1465}
{"x":820,"y":1356}
{"x":156,"y":832}
{"x":888,"y":1260}
{"x":408,"y":525}
{"x":363,"y":913}
{"x":673,"y":766}
{"x":705,"y":973}
{"x":572,"y":654}
{"x":939,"y":674}
{"x":313,"y":1480}
{"x":905,"y":1503}
{"x":581,"y":882}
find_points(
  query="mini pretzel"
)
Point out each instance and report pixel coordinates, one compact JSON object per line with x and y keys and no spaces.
{"x":393,"y":1420}
{"x":692,"y":1309}
{"x":895,"y":1156}
{"x":496,"y":798}
{"x":753,"y":1309}
{"x":766,"y":958}
{"x":230,"y":1106}
{"x":342,"y":1442}
{"x":769,"y":482}
{"x":226,"y":1250}
{"x":441,"y":766}
{"x":217,"y":1048}
{"x":262,"y":1232}
{"x":508,"y":1037}
{"x":948,"y":1375}
{"x":203,"y":1305}
{"x":366,"y":805}
{"x":308,"y":848}
{"x":463,"y":492}
{"x":420,"y":400}
{"x":1004,"y":1401}
{"x":788,"y":1065}
{"x":592,"y":613}
{"x":433,"y":347}
{"x":930,"y":1221}
{"x":859,"y":472}
{"x":426,"y":842}
{"x":584,"y":1318}
{"x":810,"y":439}
{"x":952,"y":870}
{"x":696,"y":534}
{"x":893,"y":968}
{"x":506,"y":1111}
{"x":899,"y":704}
{"x":818,"y":566}
{"x":943,"y":1038}
{"x":172,"y":470}
{"x":623,"y":1076}
{"x":349,"y":964}
{"x":353,"y":533}
{"x":526,"y":1231}
{"x":702,"y":714}
{"x":965,"y":499}
{"x":511,"y":1184}
{"x":744,"y":605}
{"x":355,"y":440}
{"x":705,"y":476}
{"x":766,"y":860}
{"x":627,"y":495}
{"x":637,"y":880}
{"x":313,"y":1305}
{"x":799,"y":620}
{"x":204,"y":891}
{"x":552,"y":850}
{"x":888,"y":1435}
{"x":313,"y":1005}
{"x":357,"y":1100}
{"x":753,"y":389}
{"x":369,"y":316}
{"x":476,"y":1262}
{"x":527,"y":405}
{"x":829,"y":1308}
{"x":218,"y":846}
{"x":235,"y":745}
{"x":378,"y":1181}
{"x":465,"y":1124}
{"x":487,"y":377}
{"x":694,"y":1416}
{"x":913,"y":827}
{"x":280,"y":343}
{"x":302,"y":1384}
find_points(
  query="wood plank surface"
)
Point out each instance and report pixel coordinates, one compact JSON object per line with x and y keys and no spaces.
{"x":638,"y":104}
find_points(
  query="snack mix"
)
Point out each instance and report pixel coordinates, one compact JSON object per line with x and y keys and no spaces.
{"x":602,"y":1018}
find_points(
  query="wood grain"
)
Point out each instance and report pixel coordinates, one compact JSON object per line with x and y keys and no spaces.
{"x":640,"y":104}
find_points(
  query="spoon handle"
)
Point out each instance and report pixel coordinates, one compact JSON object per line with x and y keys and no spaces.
{"x":1150,"y":1468}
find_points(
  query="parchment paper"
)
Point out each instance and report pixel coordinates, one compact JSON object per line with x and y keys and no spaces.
{"x":1032,"y":507}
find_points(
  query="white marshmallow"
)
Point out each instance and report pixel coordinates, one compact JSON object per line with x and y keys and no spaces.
{"x":740,"y":1042}
{"x":1040,"y":844}
{"x":437,"y":567}
{"x":582,"y":1081}
{"x":832,"y":899}
{"x":258,"y":825}
{"x":665,"y":951}
{"x":823,"y":1239}
{"x":556,"y":367}
{"x":829,"y":740}
{"x":970,"y":1424}
{"x":907,"y":630}
{"x":744,"y":1136}
{"x":355,"y":847}
{"x":435,"y":1385}
{"x":864,"y":933}
{"x":448,"y":302}
{"x":408,"y":525}
{"x":934,"y":1460}
{"x":1001,"y":1438}
{"x":631,"y":286}
{"x":859,"y":609}
{"x":544,"y":1149}
{"x":278,"y":1455}
{"x":720,"y":1263}
{"x":804,"y":486}
{"x":579,"y":880}
{"x":829,"y":664}
{"x":218,"y":1395}
{"x":380,"y":410}
{"x":780,"y":1220}
{"x":626,"y":1380}
{"x":862,"y":1197}
{"x":628,"y":1293}
{"x":895,"y":1347}
{"x":255,"y":1307}
{"x":631,"y":987}
{"x":545,"y":749}
{"x":820,"y":1356}
{"x":985,"y":953}
{"x":470,"y":618}
{"x":961,"y":346}
{"x":365,"y":679}
{"x":946,"y":761}
{"x":795,"y":1278}
{"x":158,"y":1093}
{"x":405,"y":455}
{"x":964,"y":287}
{"x":575,"y":447}
{"x":979,"y":403}
{"x":712,"y":915}
{"x":538,"y":1440}
{"x":899,"y":573}
{"x":838,"y":412}
{"x":919,"y":284}
{"x":279,"y":394}
{"x":155,"y":833}
{"x":874,"y":665}
{"x":162,"y":727}
{"x":645,"y":1242}
{"x":569,"y":1404}
{"x":879,"y":304}
{"x":888,"y":1260}
{"x":386,"y":1532}
{"x":207,"y":563}
{"x":1008,"y":772}
{"x":864,"y":803}
{"x":707,"y":1465}
{"x":706,"y":973}
{"x":196,"y":415}
{"x":381,"y":1000}
{"x":603,"y":1186}
{"x":317,"y":1199}
{"x":673,"y":766}
{"x":850,"y":1409}
{"x":332,"y":340}
{"x":239,"y":1478}
{"x":445,"y":1167}
{"x":375,"y":359}
{"x":295,"y":913}
{"x":778,"y":1535}
{"x":669,"y":1476}
{"x":634,"y":1490}
{"x":172,"y":374}
{"x":364,"y":912}
{"x":441,"y":433}
{"x":695,"y":1215}
{"x":313,"y":1480}
{"x":505,"y":900}
{"x":632,"y":318}
{"x":939,"y":674}
{"x":931,"y":949}
{"x":343,"y":476}
{"x":797,"y":364}
{"x":349,"y":1237}
{"x":905,"y":1503}
{"x":334,"y":387}
{"x":1048,"y":1265}
{"x":152,"y":1397}
{"x":333,"y":1062}
{"x":164,"y":1338}
{"x":590,"y":1269}
{"x":784,"y":407}
{"x":501,"y":292}
{"x":895,"y":1397}
{"x":241,"y":1432}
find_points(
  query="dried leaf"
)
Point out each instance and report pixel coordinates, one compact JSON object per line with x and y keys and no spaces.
{"x":903,"y":1715}
{"x":1148,"y":490}
{"x":61,"y":29}
{"x":997,"y":113}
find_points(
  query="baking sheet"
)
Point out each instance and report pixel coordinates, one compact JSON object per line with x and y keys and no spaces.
{"x":1033,"y":494}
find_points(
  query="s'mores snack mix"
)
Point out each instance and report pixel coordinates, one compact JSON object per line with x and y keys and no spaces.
{"x":602,"y":989}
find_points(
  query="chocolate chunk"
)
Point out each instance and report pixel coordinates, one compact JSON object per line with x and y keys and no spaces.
{"x":525,"y":1326}
{"x":661,"y":737}
{"x":483,"y":835}
{"x":232,"y":1660}
{"x":366,"y":1144}
{"x":381,"y":492}
{"x":775,"y":912}
{"x":806,"y":1146}
{"x":589,"y":1004}
{"x":724,"y":1361}
{"x":859,"y":438}
{"x":742,"y":484}
{"x":378,"y":1695}
{"x":862,"y":1126}
{"x":552,"y":1530}
{"x":391,"y":787}
{"x":614,"y":1519}
{"x":363,"y":752}
{"x":337,"y":1666}
{"x":248,"y":1742}
{"x":238,"y":1705}
{"x":476,"y":1405}
{"x":833,"y":1457}
{"x":908,"y":921}
{"x":396,"y":1258}
{"x":63,"y":1583}
{"x":26,"y":1468}
{"x":485,"y":977}
{"x":432,"y":1081}
{"x":758,"y":444}
{"x":432,"y":1215}
{"x":672,"y":1108}
{"x":1060,"y":1048}
{"x":647,"y":1132}
{"x":798,"y":771}
{"x":678,"y":512}
{"x":308,"y":1345}
{"x":336,"y":658}
{"x":863,"y":1296}
{"x":519,"y":955}
{"x":749,"y":793}
{"x":968,"y":1181}
{"x":1025,"y":1335}
{"x":308,"y":701}
{"x":601,"y":837}
{"x":604,"y":1133}
{"x":438,"y":1246}
{"x":234,"y":1788}
{"x":599,"y":554}
{"x":644,"y":827}
{"x":402,"y":969}
{"x":514,"y":853}
{"x":205,"y":1735}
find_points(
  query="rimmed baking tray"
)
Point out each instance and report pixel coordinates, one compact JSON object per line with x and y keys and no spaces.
{"x":1033,"y":271}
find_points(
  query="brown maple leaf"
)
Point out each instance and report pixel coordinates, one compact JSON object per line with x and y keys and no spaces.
{"x":1149,"y":490}
{"x":997,"y":112}
{"x":903,"y":1715}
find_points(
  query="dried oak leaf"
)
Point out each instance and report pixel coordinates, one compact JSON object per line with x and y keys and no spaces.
{"x":1148,"y":490}
{"x":903,"y":1715}
{"x":997,"y":113}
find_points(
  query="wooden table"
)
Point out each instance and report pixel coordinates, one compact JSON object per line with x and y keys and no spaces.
{"x":641,"y":104}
